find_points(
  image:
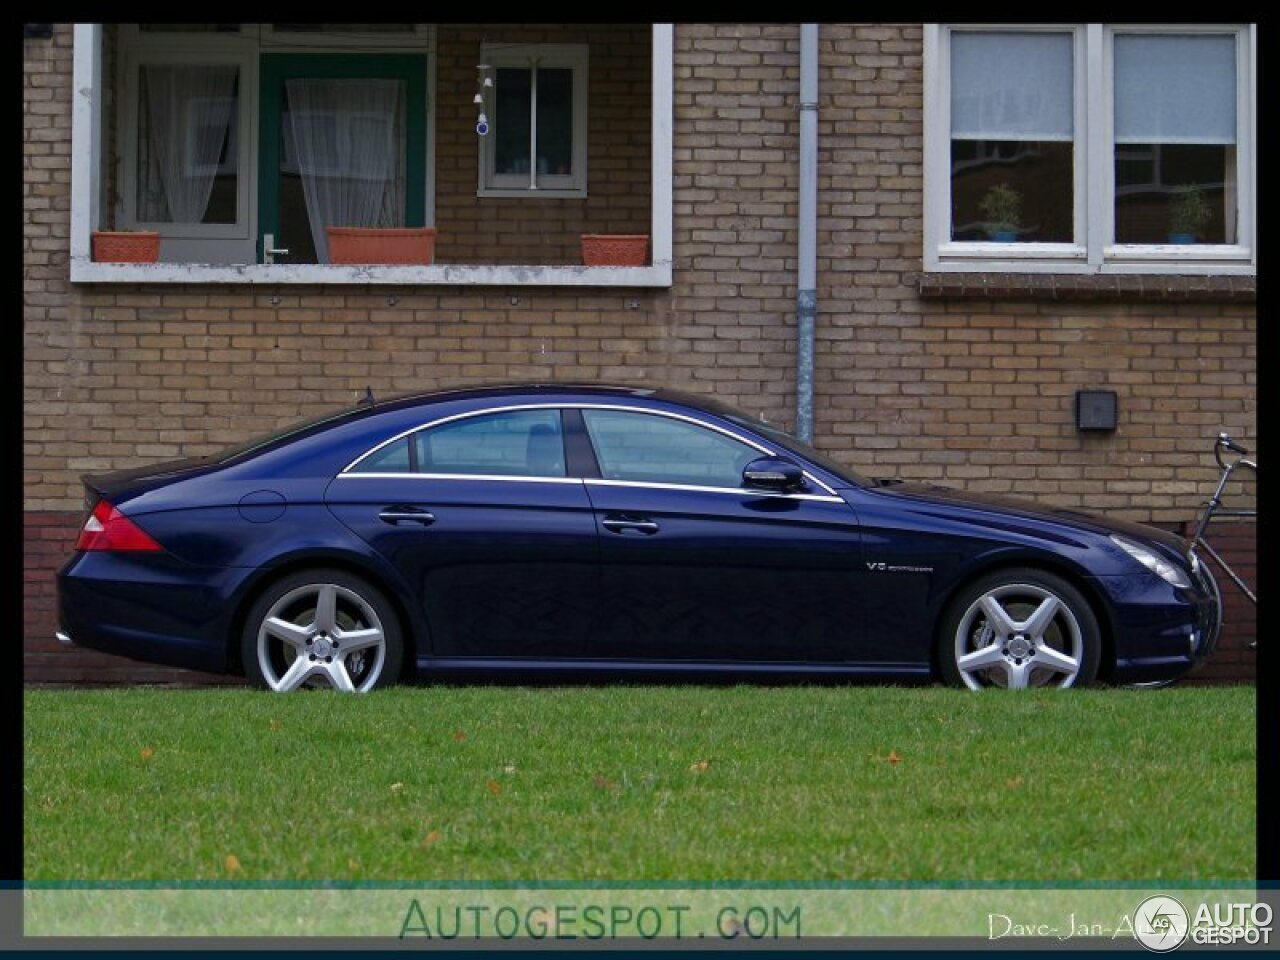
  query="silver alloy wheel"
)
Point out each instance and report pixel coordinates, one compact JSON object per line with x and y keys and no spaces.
{"x":321,"y":633}
{"x":1018,"y":635}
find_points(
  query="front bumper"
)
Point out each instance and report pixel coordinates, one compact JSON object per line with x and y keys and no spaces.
{"x":1158,"y":631}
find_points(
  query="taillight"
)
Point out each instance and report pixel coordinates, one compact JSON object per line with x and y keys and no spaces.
{"x":109,"y":529}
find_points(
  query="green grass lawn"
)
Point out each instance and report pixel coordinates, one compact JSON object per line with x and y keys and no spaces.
{"x":640,"y":783}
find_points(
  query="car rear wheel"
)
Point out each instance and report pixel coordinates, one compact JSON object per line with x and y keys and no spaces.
{"x":322,"y":628}
{"x":1018,"y":629}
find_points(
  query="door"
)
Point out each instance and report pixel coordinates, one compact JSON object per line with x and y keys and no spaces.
{"x":342,"y":142}
{"x":496,"y":541}
{"x":693,"y":567}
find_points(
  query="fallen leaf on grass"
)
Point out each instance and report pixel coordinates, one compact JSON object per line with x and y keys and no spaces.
{"x":433,"y":837}
{"x":459,"y":736}
{"x":146,"y":753}
{"x":232,"y":862}
{"x":276,"y":724}
{"x":700,"y":766}
{"x":894,"y":758}
{"x":604,"y":783}
{"x":352,"y":865}
{"x":494,"y":787}
{"x":1013,"y":782}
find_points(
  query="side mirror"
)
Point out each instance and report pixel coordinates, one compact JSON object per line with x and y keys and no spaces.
{"x":773,"y":474}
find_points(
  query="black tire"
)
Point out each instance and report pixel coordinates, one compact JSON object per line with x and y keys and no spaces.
{"x":1041,"y":653}
{"x":357,"y":647}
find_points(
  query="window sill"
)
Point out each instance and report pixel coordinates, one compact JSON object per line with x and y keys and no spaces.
{"x":505,"y":275}
{"x":1067,"y":286}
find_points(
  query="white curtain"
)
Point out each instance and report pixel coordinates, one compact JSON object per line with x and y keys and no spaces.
{"x":189,"y":109}
{"x":348,"y":142}
{"x":1175,"y":89}
{"x":1011,"y":86}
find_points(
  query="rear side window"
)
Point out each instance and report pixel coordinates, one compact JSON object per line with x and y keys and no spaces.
{"x":518,"y":443}
{"x":393,"y":458}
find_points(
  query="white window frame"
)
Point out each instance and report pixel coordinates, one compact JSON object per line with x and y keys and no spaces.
{"x":216,"y":50}
{"x":87,"y":199}
{"x":1093,"y":249}
{"x":533,"y":56}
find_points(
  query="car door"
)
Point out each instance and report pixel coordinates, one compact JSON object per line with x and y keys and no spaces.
{"x":480,"y":517}
{"x":693,"y":567}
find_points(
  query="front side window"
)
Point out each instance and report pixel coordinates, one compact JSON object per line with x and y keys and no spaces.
{"x":1089,"y":148}
{"x":647,"y":448}
{"x":536,"y":109}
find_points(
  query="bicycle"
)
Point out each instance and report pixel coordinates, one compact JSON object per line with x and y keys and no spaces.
{"x":1213,"y":508}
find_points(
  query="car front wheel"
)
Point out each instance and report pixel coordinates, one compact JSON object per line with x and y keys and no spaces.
{"x":322,"y":628}
{"x":1018,"y":629}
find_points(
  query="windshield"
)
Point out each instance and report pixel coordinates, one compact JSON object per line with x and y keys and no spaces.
{"x":793,"y":444}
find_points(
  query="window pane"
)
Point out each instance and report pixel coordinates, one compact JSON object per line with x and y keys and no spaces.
{"x":390,"y":459}
{"x":188,"y":123}
{"x":1011,"y":191}
{"x":1172,"y":89}
{"x":1175,"y":193}
{"x":1012,"y":133}
{"x":1175,"y":129}
{"x":511,"y":121}
{"x":523,"y":443}
{"x":1011,"y":86}
{"x":342,"y":27}
{"x":189,"y":28}
{"x":642,"y":447}
{"x":555,"y":122}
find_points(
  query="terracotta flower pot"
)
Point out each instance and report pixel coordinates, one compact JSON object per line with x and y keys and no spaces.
{"x":615,"y":249}
{"x":126,"y":246}
{"x":393,"y":245}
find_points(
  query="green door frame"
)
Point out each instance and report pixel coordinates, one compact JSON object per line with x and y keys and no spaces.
{"x":275,"y":68}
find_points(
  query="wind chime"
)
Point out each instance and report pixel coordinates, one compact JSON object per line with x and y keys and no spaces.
{"x":484,"y":82}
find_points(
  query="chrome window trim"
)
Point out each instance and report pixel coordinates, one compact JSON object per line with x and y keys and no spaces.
{"x":514,"y":478}
{"x":506,"y":408}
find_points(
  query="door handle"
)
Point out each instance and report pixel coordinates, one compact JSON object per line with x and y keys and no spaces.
{"x":403,"y":514}
{"x":269,"y":249}
{"x":621,"y":524}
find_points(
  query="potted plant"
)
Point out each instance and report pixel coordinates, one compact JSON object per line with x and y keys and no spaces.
{"x":391,"y":245}
{"x":126,"y":246}
{"x":615,"y":249}
{"x":1002,"y":207}
{"x":1189,"y":214}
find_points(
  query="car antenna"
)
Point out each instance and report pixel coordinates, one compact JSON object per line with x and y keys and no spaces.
{"x":367,"y":400}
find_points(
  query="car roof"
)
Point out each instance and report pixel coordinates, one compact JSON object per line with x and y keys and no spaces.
{"x":486,"y":391}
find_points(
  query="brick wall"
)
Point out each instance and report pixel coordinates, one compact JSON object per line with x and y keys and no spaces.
{"x":974,"y":393}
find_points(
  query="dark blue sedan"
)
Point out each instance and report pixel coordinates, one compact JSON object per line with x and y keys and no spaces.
{"x":554,"y":529}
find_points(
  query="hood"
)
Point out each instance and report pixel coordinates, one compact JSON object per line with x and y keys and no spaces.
{"x":1044,"y":513}
{"x":122,"y":485}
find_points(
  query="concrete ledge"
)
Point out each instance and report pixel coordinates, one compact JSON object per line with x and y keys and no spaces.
{"x":1058,"y":286}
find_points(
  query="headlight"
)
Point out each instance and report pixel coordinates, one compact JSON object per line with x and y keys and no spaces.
{"x":1157,"y":564}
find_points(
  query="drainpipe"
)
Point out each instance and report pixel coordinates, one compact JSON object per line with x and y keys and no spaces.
{"x":807,"y":272}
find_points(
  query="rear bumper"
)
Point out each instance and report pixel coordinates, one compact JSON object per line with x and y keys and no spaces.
{"x":149,"y":608}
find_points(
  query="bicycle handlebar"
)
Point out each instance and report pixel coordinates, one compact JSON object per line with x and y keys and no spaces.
{"x":1224,"y":440}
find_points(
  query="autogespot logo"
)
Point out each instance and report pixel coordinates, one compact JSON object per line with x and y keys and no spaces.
{"x":1160,"y":923}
